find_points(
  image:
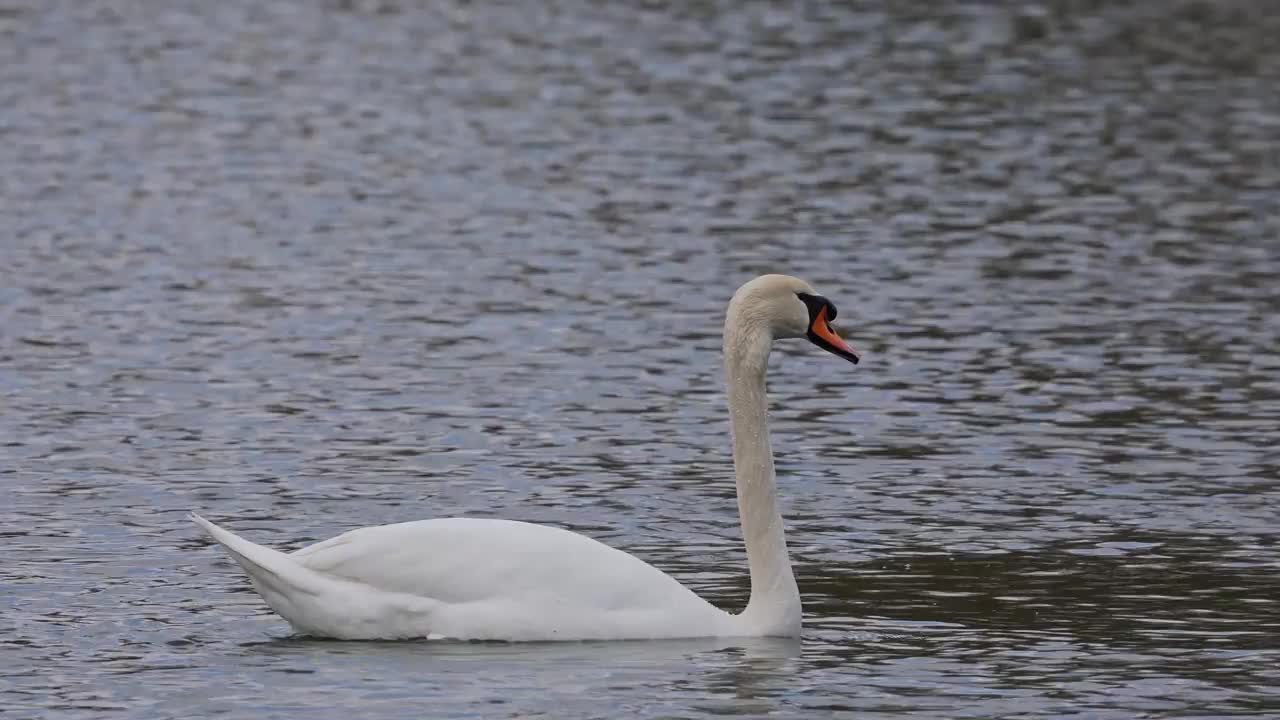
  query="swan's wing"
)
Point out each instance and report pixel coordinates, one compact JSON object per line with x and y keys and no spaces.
{"x":467,"y":560}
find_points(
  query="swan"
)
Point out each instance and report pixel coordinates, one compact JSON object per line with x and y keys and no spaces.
{"x":488,"y":579}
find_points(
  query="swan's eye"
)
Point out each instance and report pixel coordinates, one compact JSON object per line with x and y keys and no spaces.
{"x":816,"y":303}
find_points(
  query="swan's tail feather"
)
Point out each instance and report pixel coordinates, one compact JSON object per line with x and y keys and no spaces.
{"x":320,"y":604}
{"x":277,"y":578}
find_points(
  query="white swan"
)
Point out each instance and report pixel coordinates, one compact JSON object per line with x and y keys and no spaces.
{"x":482,"y":579}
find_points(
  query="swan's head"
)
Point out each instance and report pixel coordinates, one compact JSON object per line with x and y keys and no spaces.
{"x":790,"y":308}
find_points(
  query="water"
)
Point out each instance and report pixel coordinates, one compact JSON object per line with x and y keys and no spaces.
{"x":310,"y":266}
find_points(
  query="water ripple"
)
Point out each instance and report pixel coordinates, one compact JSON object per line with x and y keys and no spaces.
{"x":310,"y":267}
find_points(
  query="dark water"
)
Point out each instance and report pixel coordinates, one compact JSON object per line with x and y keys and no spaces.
{"x":307,"y":266}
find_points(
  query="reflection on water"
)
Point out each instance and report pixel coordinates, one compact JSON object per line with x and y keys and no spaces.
{"x":306,"y":267}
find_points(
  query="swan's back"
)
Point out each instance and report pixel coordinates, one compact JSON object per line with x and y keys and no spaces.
{"x":462,"y":560}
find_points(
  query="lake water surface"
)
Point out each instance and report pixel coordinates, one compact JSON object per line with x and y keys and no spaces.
{"x":307,"y":266}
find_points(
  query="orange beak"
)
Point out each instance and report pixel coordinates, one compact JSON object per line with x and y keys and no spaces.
{"x":821,"y":334}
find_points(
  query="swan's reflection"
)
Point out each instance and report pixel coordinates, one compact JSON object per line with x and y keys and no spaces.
{"x":567,"y":653}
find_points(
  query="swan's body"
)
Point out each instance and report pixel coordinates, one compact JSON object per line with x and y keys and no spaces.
{"x":471,"y":578}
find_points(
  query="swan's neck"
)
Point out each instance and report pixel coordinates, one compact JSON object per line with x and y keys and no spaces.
{"x":774,"y":608}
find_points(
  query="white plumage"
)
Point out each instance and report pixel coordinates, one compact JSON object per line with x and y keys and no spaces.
{"x":485,"y":579}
